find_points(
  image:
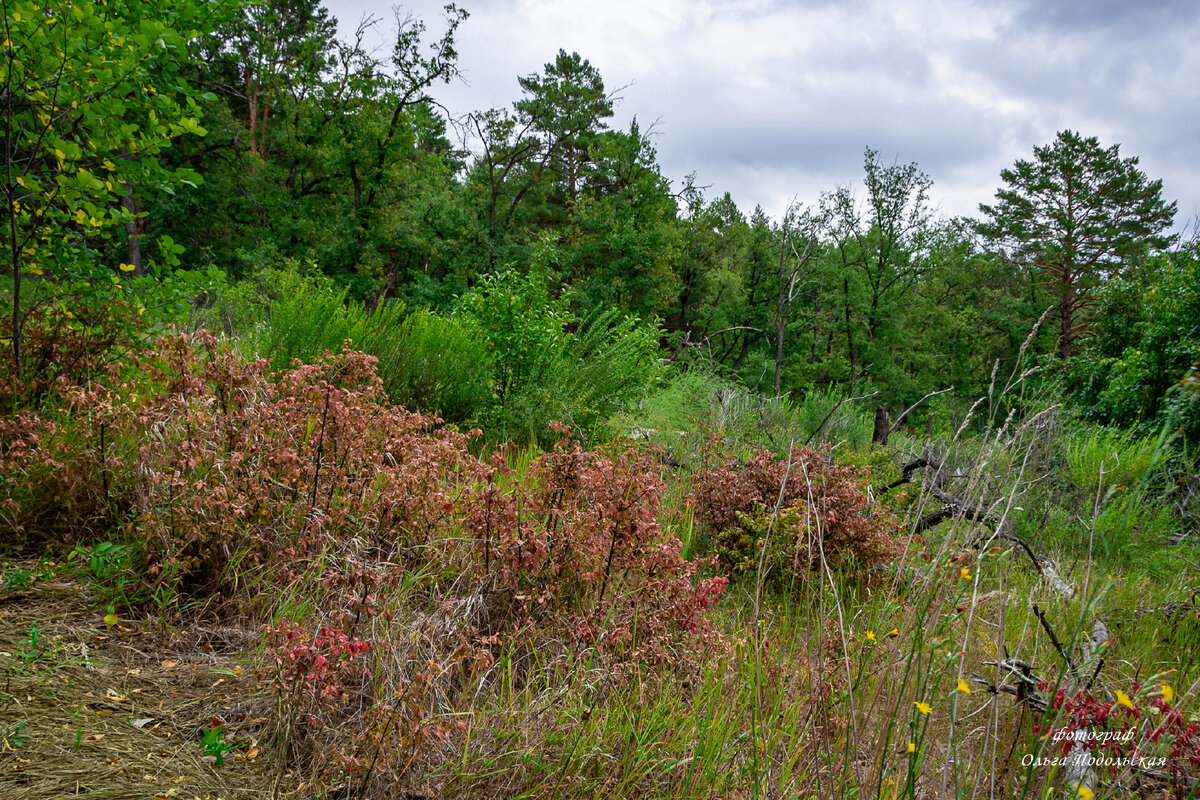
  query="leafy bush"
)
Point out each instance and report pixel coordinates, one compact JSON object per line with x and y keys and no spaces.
{"x":548,"y":364}
{"x":73,"y":329}
{"x":575,"y":546}
{"x":432,"y":363}
{"x":299,"y":316}
{"x":231,"y":472}
{"x":822,"y":509}
{"x":1147,"y":343}
{"x":427,"y":362}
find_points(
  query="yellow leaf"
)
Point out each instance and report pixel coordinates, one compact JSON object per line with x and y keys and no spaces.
{"x":963,"y":686}
{"x":16,"y":16}
{"x":21,"y":183}
{"x":111,"y":619}
{"x":924,"y":708}
{"x":36,"y":271}
{"x":127,"y":268}
{"x":61,"y":155}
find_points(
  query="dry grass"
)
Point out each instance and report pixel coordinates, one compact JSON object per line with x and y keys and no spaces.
{"x":120,"y":712}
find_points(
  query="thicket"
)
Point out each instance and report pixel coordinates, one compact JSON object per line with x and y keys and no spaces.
{"x":331,"y":462}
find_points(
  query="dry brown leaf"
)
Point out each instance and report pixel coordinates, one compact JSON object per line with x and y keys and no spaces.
{"x":95,"y":737}
{"x":168,"y":663}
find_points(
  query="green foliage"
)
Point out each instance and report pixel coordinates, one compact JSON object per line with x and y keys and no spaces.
{"x":17,"y":735}
{"x":427,"y":361}
{"x":522,"y":328}
{"x":1147,"y":342}
{"x":432,"y":362}
{"x":1133,"y":533}
{"x":102,"y":559}
{"x":1100,"y":460}
{"x":306,"y":316}
{"x":35,"y":648}
{"x":94,"y":95}
{"x":544,"y":371}
{"x":1078,"y":213}
{"x":213,"y":743}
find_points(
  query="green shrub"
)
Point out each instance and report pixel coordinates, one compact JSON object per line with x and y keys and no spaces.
{"x":305,"y":315}
{"x":1099,"y":460}
{"x":432,"y":363}
{"x":549,"y":365}
{"x":426,"y":361}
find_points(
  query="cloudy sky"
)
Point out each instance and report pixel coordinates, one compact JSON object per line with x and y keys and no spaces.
{"x":777,"y":99}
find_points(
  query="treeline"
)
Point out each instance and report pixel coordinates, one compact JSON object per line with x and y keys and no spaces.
{"x":149,"y":144}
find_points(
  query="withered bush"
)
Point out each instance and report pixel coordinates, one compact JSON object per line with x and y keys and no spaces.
{"x":808,"y":506}
{"x":576,"y":540}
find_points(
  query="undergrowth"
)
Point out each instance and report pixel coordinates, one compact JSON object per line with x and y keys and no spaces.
{"x":915,"y":620}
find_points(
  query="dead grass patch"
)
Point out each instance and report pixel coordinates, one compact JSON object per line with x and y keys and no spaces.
{"x":89,"y":710}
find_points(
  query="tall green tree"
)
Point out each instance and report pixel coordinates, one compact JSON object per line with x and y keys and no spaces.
{"x":355,"y":171}
{"x":568,"y":107}
{"x":623,"y":244}
{"x":1079,"y":213}
{"x":93,"y":95}
{"x":878,"y":249}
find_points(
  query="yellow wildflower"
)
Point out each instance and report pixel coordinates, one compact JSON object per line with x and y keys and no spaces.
{"x":1123,"y":700}
{"x":963,"y":686}
{"x":924,"y":708}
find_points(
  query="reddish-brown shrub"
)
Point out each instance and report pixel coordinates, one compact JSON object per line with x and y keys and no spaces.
{"x":575,"y":545}
{"x":810,"y":505}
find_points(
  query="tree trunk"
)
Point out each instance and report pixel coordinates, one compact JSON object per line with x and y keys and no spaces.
{"x":133,"y":234}
{"x":1066,"y":322}
{"x":780,"y":325}
{"x":883,"y":426}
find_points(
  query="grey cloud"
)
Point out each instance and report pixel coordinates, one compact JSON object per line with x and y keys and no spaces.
{"x":773,"y":98}
{"x":1118,"y":17}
